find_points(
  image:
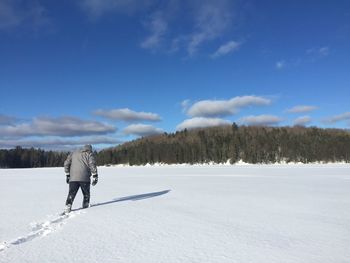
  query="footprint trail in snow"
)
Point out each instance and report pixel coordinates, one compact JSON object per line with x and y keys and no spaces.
{"x":41,"y":229}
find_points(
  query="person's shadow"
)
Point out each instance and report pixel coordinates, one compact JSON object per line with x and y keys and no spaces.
{"x":129,"y":198}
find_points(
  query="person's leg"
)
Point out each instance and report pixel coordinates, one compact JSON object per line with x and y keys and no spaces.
{"x":85,"y":188}
{"x":73,"y":189}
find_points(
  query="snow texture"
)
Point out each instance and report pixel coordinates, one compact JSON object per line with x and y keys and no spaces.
{"x":239,"y":213}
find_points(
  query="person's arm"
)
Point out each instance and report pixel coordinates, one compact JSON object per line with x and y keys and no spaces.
{"x":93,"y":168}
{"x":67,"y":164}
{"x":92,"y":164}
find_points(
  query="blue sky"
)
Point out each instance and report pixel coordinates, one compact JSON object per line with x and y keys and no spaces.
{"x":105,"y":72}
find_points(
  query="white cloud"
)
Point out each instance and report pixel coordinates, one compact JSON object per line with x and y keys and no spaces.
{"x":58,"y":143}
{"x":200,"y":122}
{"x":210,"y":108}
{"x":260,"y":120}
{"x":212,"y":19}
{"x":127,"y":115}
{"x":337,"y":118}
{"x":207,"y":108}
{"x":62,"y":126}
{"x":302,"y":121}
{"x":302,"y":109}
{"x":142,"y":130}
{"x":18,"y":13}
{"x":226,"y":48}
{"x":280,"y":64}
{"x":206,"y":20}
{"x":158,"y":27}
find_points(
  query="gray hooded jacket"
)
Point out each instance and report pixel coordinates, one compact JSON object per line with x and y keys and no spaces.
{"x":81,"y":164}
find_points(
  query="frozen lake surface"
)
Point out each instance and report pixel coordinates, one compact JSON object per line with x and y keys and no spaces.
{"x":252,"y":213}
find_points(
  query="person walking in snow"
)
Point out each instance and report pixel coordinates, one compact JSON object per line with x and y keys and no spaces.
{"x":79,"y":166}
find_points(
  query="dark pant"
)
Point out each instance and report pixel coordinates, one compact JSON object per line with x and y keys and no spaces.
{"x":73,"y":189}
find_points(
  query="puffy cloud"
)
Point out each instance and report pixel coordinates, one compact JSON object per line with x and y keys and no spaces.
{"x":260,"y":120}
{"x":302,"y":121}
{"x":226,"y":48}
{"x":58,"y":143}
{"x":211,"y":108}
{"x":158,"y":27}
{"x":200,"y":122}
{"x":302,"y":109}
{"x":62,"y":126}
{"x":337,"y":118}
{"x":142,"y":130}
{"x":127,"y":115}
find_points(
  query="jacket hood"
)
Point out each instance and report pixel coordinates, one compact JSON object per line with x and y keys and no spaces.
{"x":87,"y":148}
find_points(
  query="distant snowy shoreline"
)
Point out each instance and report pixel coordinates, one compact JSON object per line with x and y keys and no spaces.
{"x":240,"y":163}
{"x":210,"y":164}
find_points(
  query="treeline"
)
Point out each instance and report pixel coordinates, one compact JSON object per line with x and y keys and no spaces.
{"x":216,"y":144}
{"x":28,"y":158}
{"x":233,"y":143}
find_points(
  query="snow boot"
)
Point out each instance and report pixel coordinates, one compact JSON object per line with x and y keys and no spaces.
{"x":67,"y":209}
{"x":85,"y":204}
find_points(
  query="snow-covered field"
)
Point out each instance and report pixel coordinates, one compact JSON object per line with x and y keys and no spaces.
{"x":284,"y":213}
